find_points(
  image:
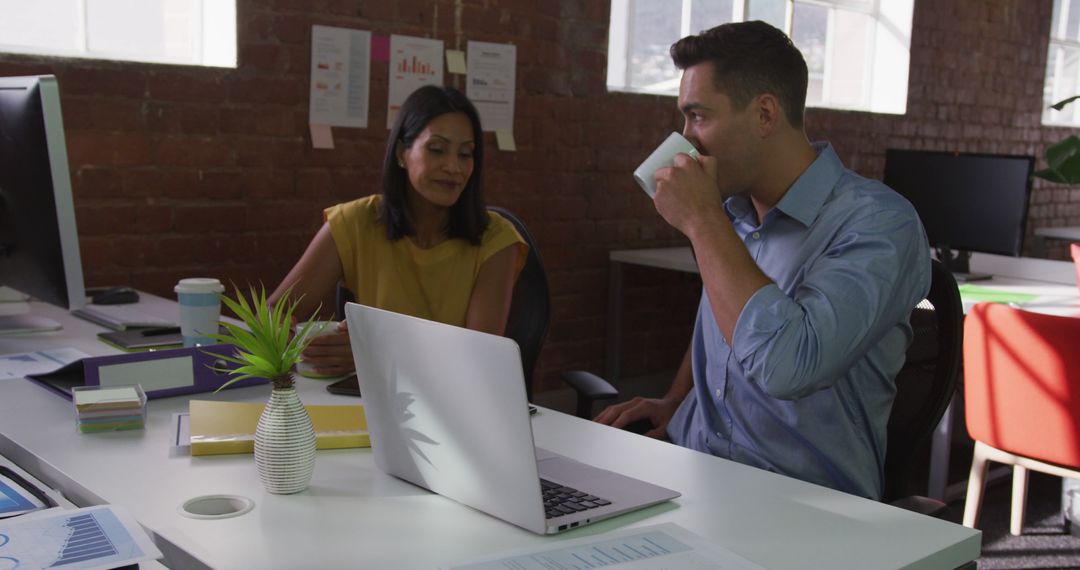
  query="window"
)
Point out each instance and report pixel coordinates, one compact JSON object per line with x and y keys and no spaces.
{"x":192,"y":32}
{"x":856,"y":50}
{"x":1063,"y":64}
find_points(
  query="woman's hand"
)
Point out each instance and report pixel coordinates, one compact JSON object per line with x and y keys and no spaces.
{"x":330,"y":353}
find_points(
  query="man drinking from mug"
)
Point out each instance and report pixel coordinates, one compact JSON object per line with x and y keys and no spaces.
{"x":810,"y":272}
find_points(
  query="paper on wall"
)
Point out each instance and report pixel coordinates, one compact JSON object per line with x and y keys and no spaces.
{"x":490,"y":83}
{"x":414,"y":62}
{"x":340,"y":77}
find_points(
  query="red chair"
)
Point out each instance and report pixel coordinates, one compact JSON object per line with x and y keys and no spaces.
{"x":1022,"y":398}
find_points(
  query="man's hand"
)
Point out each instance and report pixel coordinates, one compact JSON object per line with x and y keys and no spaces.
{"x":687,"y":192}
{"x":330,"y":353}
{"x":656,"y":411}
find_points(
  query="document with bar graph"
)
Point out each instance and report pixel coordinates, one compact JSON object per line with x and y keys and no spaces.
{"x":666,"y":546}
{"x":80,"y":539}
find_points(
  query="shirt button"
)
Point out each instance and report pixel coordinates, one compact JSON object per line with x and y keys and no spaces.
{"x":756,"y":235}
{"x":719,"y":394}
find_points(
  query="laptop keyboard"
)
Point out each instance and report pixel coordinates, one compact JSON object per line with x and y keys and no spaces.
{"x":560,"y":500}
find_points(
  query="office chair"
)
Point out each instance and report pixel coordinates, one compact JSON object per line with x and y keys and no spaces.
{"x":1021,"y":399}
{"x":924,"y":388}
{"x":530,"y":308}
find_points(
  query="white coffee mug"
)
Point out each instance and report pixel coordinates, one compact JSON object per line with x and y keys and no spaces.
{"x":318,"y":328}
{"x":200,"y":308}
{"x":662,"y":157}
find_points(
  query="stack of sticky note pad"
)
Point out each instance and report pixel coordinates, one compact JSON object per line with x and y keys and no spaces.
{"x":109,"y":408}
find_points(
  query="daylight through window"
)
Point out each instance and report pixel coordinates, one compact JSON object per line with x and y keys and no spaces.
{"x":188,"y":32}
{"x":856,"y":50}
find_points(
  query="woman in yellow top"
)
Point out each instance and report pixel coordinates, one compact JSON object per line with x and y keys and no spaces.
{"x":427,"y":246}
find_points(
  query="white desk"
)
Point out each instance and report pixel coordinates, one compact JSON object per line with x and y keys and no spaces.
{"x":355,"y":516}
{"x":673,"y":258}
{"x":1068,"y":233}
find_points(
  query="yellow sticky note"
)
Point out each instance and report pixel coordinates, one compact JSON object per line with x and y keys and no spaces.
{"x":455,"y":61}
{"x":505,"y":140}
{"x":321,"y":137}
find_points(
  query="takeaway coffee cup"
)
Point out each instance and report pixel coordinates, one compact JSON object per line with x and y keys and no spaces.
{"x":662,"y":157}
{"x":200,"y":308}
{"x":318,"y":328}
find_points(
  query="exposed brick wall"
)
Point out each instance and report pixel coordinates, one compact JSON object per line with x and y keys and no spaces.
{"x":182,"y":171}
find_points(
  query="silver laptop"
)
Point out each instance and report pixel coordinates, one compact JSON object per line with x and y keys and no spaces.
{"x":446,"y":410}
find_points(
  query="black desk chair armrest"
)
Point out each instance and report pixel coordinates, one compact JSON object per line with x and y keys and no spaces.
{"x":589,"y":388}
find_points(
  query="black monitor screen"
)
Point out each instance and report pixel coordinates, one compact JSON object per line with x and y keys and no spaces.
{"x":39,"y":252}
{"x":967,"y":202}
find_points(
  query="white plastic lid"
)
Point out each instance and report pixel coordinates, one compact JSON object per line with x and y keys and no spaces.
{"x":199,"y":285}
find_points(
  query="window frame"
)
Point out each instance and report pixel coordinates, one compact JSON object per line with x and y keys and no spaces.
{"x":1070,"y":116}
{"x":622,"y":33}
{"x":199,"y":23}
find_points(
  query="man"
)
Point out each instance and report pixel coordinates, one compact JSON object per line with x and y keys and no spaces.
{"x":810,"y":273}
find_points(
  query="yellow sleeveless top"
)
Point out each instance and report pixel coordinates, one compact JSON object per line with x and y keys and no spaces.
{"x":433,"y":284}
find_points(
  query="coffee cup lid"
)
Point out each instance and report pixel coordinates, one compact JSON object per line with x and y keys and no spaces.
{"x":199,"y":285}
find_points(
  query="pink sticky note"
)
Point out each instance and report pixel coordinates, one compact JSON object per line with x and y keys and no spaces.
{"x":321,"y":137}
{"x":380,"y":48}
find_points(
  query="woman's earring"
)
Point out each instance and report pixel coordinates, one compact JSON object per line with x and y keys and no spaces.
{"x":401,"y":164}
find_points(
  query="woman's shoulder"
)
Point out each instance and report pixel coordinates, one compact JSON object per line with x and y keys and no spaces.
{"x":500,"y":232}
{"x":366,"y":208}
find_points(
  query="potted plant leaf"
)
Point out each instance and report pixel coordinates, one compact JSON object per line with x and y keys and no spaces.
{"x":266,"y":348}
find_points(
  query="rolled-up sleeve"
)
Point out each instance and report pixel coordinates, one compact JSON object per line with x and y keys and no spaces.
{"x":862,"y":284}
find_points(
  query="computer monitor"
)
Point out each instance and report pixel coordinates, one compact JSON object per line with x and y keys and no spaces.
{"x":39,"y":245}
{"x":967,"y":202}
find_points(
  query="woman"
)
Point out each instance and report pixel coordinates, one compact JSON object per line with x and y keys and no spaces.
{"x":427,"y":246}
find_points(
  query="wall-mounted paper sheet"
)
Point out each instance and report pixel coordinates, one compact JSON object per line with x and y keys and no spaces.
{"x":414,"y":62}
{"x":340,"y":77}
{"x":490,"y":83}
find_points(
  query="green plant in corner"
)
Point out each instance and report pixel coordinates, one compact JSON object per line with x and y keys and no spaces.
{"x":1063,"y":158}
{"x":266,"y":347}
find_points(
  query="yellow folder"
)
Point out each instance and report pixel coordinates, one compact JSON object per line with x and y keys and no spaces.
{"x":229,"y":427}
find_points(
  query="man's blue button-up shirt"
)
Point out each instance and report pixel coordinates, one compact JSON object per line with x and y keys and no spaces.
{"x":807,"y":383}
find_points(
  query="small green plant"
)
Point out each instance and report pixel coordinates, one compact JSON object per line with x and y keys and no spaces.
{"x":266,"y":346}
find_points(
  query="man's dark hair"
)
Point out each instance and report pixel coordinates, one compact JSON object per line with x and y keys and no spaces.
{"x":468,"y":216}
{"x":749,"y":58}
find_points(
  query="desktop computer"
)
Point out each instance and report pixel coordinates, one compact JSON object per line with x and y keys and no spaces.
{"x":39,"y":243}
{"x":967,"y":202}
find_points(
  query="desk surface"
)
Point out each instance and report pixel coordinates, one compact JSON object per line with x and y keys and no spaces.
{"x":354,"y":515}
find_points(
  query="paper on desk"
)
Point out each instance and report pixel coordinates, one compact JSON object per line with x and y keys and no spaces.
{"x":81,"y":539}
{"x":665,"y":546}
{"x":40,"y":362}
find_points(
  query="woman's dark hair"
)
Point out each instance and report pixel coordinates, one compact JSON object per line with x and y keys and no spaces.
{"x":749,"y":58}
{"x":468,"y":216}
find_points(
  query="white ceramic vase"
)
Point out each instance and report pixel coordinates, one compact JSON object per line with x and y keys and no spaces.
{"x":285,"y":444}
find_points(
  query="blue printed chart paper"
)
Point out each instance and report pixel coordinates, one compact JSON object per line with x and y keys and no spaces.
{"x":82,"y":539}
{"x":14,"y":500}
{"x":659,"y":547}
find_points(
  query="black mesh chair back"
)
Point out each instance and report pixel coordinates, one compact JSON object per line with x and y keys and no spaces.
{"x":926,"y":383}
{"x":530,"y":309}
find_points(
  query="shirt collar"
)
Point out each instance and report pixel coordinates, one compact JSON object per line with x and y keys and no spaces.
{"x":804,"y":199}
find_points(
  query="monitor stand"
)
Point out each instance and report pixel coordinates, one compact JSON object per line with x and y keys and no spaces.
{"x":957,"y":263}
{"x":24,"y":324}
{"x":13,"y":316}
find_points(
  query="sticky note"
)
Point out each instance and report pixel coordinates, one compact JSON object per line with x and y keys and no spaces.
{"x":455,"y":61}
{"x":321,"y":136}
{"x":380,"y":48}
{"x":505,"y":140}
